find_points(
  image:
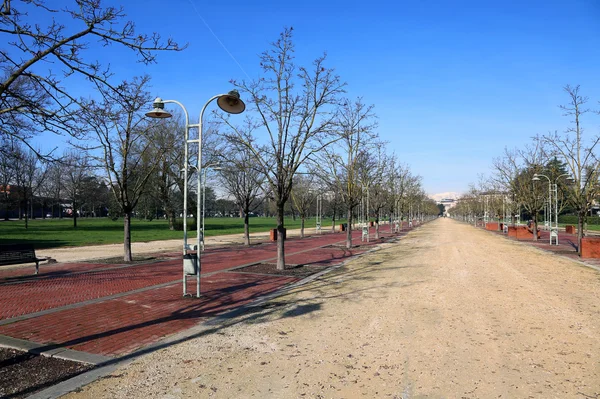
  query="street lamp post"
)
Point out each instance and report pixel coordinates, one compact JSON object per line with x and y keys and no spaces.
{"x":552,"y":192}
{"x":319,"y":212}
{"x":230,"y":103}
{"x":213,"y":166}
{"x":536,"y":177}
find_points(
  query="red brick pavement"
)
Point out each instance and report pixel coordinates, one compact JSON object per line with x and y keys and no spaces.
{"x":51,"y":291}
{"x":120,"y":325}
{"x":50,"y":269}
{"x":567,"y":243}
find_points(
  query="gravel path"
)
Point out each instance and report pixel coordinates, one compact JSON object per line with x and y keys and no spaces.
{"x":449,"y":312}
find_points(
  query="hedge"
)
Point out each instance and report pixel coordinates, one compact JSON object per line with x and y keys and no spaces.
{"x":571,"y":219}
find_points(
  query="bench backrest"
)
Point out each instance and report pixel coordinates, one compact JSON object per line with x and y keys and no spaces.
{"x":16,"y":253}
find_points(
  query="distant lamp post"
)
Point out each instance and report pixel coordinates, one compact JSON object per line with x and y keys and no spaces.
{"x":230,"y":103}
{"x":319,"y":213}
{"x":552,"y":192}
{"x":536,"y":177}
{"x":213,"y":166}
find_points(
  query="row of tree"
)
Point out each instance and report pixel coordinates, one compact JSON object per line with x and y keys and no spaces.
{"x":298,"y":124}
{"x":33,"y":185}
{"x":568,"y":159}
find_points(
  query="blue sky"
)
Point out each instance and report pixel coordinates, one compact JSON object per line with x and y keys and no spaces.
{"x":453,"y":82}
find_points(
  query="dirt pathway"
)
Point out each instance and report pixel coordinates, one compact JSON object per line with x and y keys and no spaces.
{"x":449,"y":312}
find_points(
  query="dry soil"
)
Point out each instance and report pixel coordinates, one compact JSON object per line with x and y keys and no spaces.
{"x":449,"y":312}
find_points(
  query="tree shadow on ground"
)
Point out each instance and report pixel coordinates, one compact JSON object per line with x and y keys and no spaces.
{"x":225,"y":309}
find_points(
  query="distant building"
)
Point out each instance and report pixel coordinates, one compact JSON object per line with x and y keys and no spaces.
{"x":447,"y":202}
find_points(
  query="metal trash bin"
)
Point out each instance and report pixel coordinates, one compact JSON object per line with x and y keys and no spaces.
{"x":190,"y":264}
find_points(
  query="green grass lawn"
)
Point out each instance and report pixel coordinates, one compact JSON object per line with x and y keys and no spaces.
{"x":52,"y":233}
{"x":593,"y":227}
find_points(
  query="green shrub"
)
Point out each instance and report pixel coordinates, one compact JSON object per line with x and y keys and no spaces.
{"x":178,"y":225}
{"x":572,"y":219}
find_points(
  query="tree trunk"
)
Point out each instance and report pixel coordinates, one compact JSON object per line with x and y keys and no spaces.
{"x":332,"y":223}
{"x":280,"y":241}
{"x":377,"y":226}
{"x":74,"y":217}
{"x":349,"y":229}
{"x":302,"y":227}
{"x":535,"y":228}
{"x":246,"y":229}
{"x":127,"y":237}
{"x":171,"y":216}
{"x":580,"y":219}
{"x":26,"y":216}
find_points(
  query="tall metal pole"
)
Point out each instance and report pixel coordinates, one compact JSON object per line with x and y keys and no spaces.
{"x":556,"y":211}
{"x":550,"y":209}
{"x":368,"y":219}
{"x":319,"y":212}
{"x":188,"y":126}
{"x":199,"y":218}
{"x":203,"y":206}
{"x":230,"y":103}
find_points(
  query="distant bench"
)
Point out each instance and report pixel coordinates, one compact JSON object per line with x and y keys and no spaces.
{"x":14,"y":254}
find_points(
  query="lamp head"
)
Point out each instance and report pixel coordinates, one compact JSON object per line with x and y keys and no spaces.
{"x":231,"y":103}
{"x":158,"y":110}
{"x":535,"y":177}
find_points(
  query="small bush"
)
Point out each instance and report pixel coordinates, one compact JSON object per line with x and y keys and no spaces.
{"x":178,"y":225}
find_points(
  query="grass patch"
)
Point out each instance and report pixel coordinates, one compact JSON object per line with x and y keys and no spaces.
{"x":592,"y":227}
{"x":52,"y":233}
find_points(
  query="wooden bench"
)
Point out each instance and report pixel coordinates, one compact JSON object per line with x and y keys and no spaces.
{"x":13,"y":254}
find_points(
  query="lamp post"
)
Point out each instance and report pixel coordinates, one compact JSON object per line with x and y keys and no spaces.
{"x":536,"y":177}
{"x":213,"y":166}
{"x":319,"y":212}
{"x":552,"y":191}
{"x":230,"y":103}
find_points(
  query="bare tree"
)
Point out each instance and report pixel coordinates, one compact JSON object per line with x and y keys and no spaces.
{"x":379,"y":190}
{"x":54,"y":185}
{"x":294,"y":107}
{"x":515,"y":171}
{"x":407,"y":187}
{"x":42,"y":55}
{"x":303,"y":197}
{"x":168,"y":181}
{"x":243,"y":180}
{"x":7,"y":173}
{"x":77,"y":169}
{"x":355,"y":124}
{"x":121,"y":134}
{"x":29,"y":176}
{"x":579,"y":155}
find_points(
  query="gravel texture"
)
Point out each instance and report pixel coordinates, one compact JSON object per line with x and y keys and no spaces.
{"x":22,"y":374}
{"x":271,"y":268}
{"x":448,"y":312}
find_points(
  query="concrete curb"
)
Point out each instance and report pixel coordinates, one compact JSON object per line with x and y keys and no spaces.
{"x":52,"y":351}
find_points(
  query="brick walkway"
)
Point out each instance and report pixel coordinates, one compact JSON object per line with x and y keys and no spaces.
{"x":567,"y":245}
{"x":115,"y":309}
